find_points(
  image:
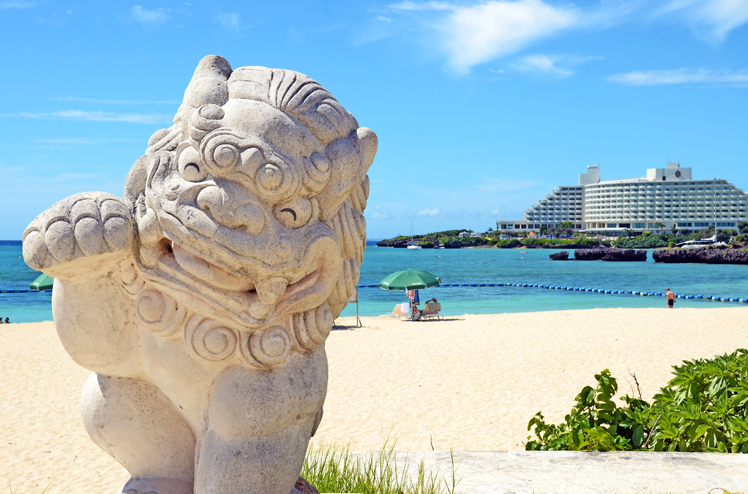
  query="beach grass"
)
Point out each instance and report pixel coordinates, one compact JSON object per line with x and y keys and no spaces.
{"x":332,"y":470}
{"x":10,"y":488}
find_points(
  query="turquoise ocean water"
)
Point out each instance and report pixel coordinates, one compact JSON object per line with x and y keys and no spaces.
{"x":470,"y":266}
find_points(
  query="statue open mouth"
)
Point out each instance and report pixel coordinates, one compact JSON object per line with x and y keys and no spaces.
{"x":265,"y":293}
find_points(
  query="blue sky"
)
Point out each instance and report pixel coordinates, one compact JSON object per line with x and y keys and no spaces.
{"x":481,"y":108}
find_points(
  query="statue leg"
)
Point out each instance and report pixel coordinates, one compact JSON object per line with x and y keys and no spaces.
{"x":136,"y":424}
{"x":259,"y":425}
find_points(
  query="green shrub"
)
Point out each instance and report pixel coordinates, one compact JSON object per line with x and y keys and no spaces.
{"x":703,"y":408}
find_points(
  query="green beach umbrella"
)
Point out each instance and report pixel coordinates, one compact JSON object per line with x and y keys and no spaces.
{"x":409,"y":279}
{"x":42,"y":282}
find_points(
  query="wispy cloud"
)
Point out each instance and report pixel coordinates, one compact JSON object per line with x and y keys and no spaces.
{"x":682,"y":76}
{"x":117,"y":101}
{"x":16,"y":5}
{"x":428,"y":212}
{"x":469,"y":34}
{"x":473,"y":35}
{"x":541,"y":63}
{"x":148,"y":17}
{"x":230,"y":21}
{"x":99,"y":116}
{"x":559,"y":66}
{"x":712,"y":19}
{"x":378,"y":215}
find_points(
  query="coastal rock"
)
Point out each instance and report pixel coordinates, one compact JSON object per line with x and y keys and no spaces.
{"x":398,"y":244}
{"x":202,"y":300}
{"x":560,"y":256}
{"x":610,"y":254}
{"x":705,"y":255}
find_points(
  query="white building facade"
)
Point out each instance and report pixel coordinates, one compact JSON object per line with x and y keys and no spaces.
{"x":665,"y":197}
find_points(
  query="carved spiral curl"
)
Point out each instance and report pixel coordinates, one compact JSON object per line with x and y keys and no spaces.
{"x":209,"y":340}
{"x":311,"y":328}
{"x":220,"y":150}
{"x":266,"y":349}
{"x":158,"y":312}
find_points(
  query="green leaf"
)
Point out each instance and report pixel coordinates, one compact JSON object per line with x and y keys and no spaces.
{"x":638,"y":436}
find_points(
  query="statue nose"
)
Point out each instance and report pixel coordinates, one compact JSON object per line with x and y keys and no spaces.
{"x":242,"y":216}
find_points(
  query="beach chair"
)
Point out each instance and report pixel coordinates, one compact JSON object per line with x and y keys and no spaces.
{"x":400,"y":310}
{"x":431,"y":311}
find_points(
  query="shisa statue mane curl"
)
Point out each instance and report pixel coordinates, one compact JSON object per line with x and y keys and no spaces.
{"x":203,"y":299}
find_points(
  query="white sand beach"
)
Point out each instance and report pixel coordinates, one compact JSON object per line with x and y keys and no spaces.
{"x":470,"y":383}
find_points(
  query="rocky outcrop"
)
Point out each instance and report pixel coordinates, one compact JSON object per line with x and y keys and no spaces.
{"x":605,"y":254}
{"x":560,"y":256}
{"x":704,"y":255}
{"x":402,"y":243}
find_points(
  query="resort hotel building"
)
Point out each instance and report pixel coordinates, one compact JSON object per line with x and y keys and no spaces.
{"x":665,"y":197}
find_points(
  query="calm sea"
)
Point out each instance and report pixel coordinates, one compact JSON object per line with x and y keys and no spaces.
{"x":470,"y":266}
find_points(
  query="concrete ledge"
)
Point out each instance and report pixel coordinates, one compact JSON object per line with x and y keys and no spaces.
{"x":562,"y":472}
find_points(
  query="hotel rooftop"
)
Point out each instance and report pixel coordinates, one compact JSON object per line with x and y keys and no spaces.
{"x":665,"y":197}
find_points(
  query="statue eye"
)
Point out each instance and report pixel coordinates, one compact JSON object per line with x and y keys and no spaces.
{"x":294,"y":213}
{"x":189,"y":165}
{"x":289,"y":210}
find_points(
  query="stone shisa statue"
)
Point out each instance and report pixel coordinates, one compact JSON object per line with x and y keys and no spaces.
{"x":202,"y":300}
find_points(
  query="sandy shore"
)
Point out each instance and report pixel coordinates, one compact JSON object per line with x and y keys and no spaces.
{"x":469,"y":383}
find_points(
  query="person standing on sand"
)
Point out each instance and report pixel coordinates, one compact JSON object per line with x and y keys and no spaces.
{"x":670,"y":298}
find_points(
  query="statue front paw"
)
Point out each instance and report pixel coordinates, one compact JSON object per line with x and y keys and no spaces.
{"x":82,"y":225}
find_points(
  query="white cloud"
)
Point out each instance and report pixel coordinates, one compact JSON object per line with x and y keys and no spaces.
{"x":117,"y":101}
{"x":542,"y":63}
{"x":376,"y":215}
{"x":229,"y":20}
{"x":16,"y":5}
{"x":99,"y":116}
{"x":477,"y":34}
{"x":148,"y":17}
{"x":383,"y":18}
{"x":468,"y":35}
{"x":713,"y":19}
{"x":494,"y":212}
{"x":428,"y":212}
{"x":682,"y":76}
{"x":558,"y":65}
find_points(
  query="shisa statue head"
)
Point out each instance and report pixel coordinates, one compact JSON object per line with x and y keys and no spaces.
{"x":202,"y":299}
{"x":249,"y":208}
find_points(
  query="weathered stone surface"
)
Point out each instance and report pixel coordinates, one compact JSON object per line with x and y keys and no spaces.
{"x":706,"y":255}
{"x":203,"y":298}
{"x":573,"y":472}
{"x":610,"y":254}
{"x":560,"y":256}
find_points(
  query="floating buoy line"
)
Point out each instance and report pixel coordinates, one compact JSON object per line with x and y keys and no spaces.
{"x":523,"y":285}
{"x":22,"y":290}
{"x":590,"y":290}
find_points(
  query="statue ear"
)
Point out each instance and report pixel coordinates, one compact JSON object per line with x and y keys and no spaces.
{"x":350,"y":159}
{"x":208,"y":84}
{"x":207,"y":87}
